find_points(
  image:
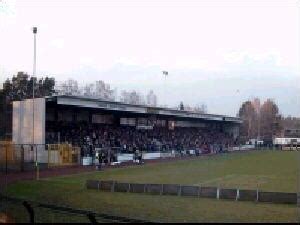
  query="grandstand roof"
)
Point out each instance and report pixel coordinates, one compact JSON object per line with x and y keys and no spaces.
{"x":89,"y":102}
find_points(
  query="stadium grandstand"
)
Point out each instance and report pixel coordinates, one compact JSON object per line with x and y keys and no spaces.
{"x":291,"y":133}
{"x":92,"y":124}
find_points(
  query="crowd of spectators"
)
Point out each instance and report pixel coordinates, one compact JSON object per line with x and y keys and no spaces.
{"x":129,"y":139}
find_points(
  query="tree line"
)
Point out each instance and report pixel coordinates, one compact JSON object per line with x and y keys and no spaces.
{"x":20,"y":87}
{"x":262,"y":121}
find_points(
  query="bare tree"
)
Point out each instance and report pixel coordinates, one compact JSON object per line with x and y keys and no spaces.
{"x":89,"y":90}
{"x":248,"y":115}
{"x":99,"y":89}
{"x":271,"y":121}
{"x":151,"y":98}
{"x":103,"y":91}
{"x":188,"y":108}
{"x":132,"y":97}
{"x":260,"y":120}
{"x":68,"y":87}
{"x":181,"y":106}
{"x":200,"y":108}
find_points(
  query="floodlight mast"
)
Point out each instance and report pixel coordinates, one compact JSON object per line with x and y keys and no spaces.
{"x":34,"y":30}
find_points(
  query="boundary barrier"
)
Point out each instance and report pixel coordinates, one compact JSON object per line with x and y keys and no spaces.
{"x":194,"y":191}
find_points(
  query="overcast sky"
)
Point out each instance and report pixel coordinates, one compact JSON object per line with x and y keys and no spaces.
{"x":219,"y":53}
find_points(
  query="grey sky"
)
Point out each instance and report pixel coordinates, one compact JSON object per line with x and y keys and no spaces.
{"x":210,"y":48}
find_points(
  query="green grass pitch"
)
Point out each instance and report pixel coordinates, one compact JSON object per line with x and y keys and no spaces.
{"x":263,"y":170}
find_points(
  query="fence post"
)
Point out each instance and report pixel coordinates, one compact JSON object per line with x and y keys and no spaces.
{"x":37,"y":163}
{"x":113,"y":186}
{"x":108,"y":154}
{"x":22,"y":158}
{"x":179,"y":192}
{"x":92,"y":218}
{"x":49,"y":153}
{"x":237,"y":194}
{"x":30,"y":211}
{"x":79,"y":156}
{"x":99,"y":185}
{"x":6,"y":169}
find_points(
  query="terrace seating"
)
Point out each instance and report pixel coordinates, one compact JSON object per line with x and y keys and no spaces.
{"x":128,"y":139}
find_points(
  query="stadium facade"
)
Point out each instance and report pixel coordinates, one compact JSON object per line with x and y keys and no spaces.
{"x":62,"y":108}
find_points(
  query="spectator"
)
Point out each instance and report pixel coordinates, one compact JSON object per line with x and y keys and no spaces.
{"x":128,"y":139}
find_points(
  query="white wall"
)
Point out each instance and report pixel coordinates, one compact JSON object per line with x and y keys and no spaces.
{"x":23,"y":121}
